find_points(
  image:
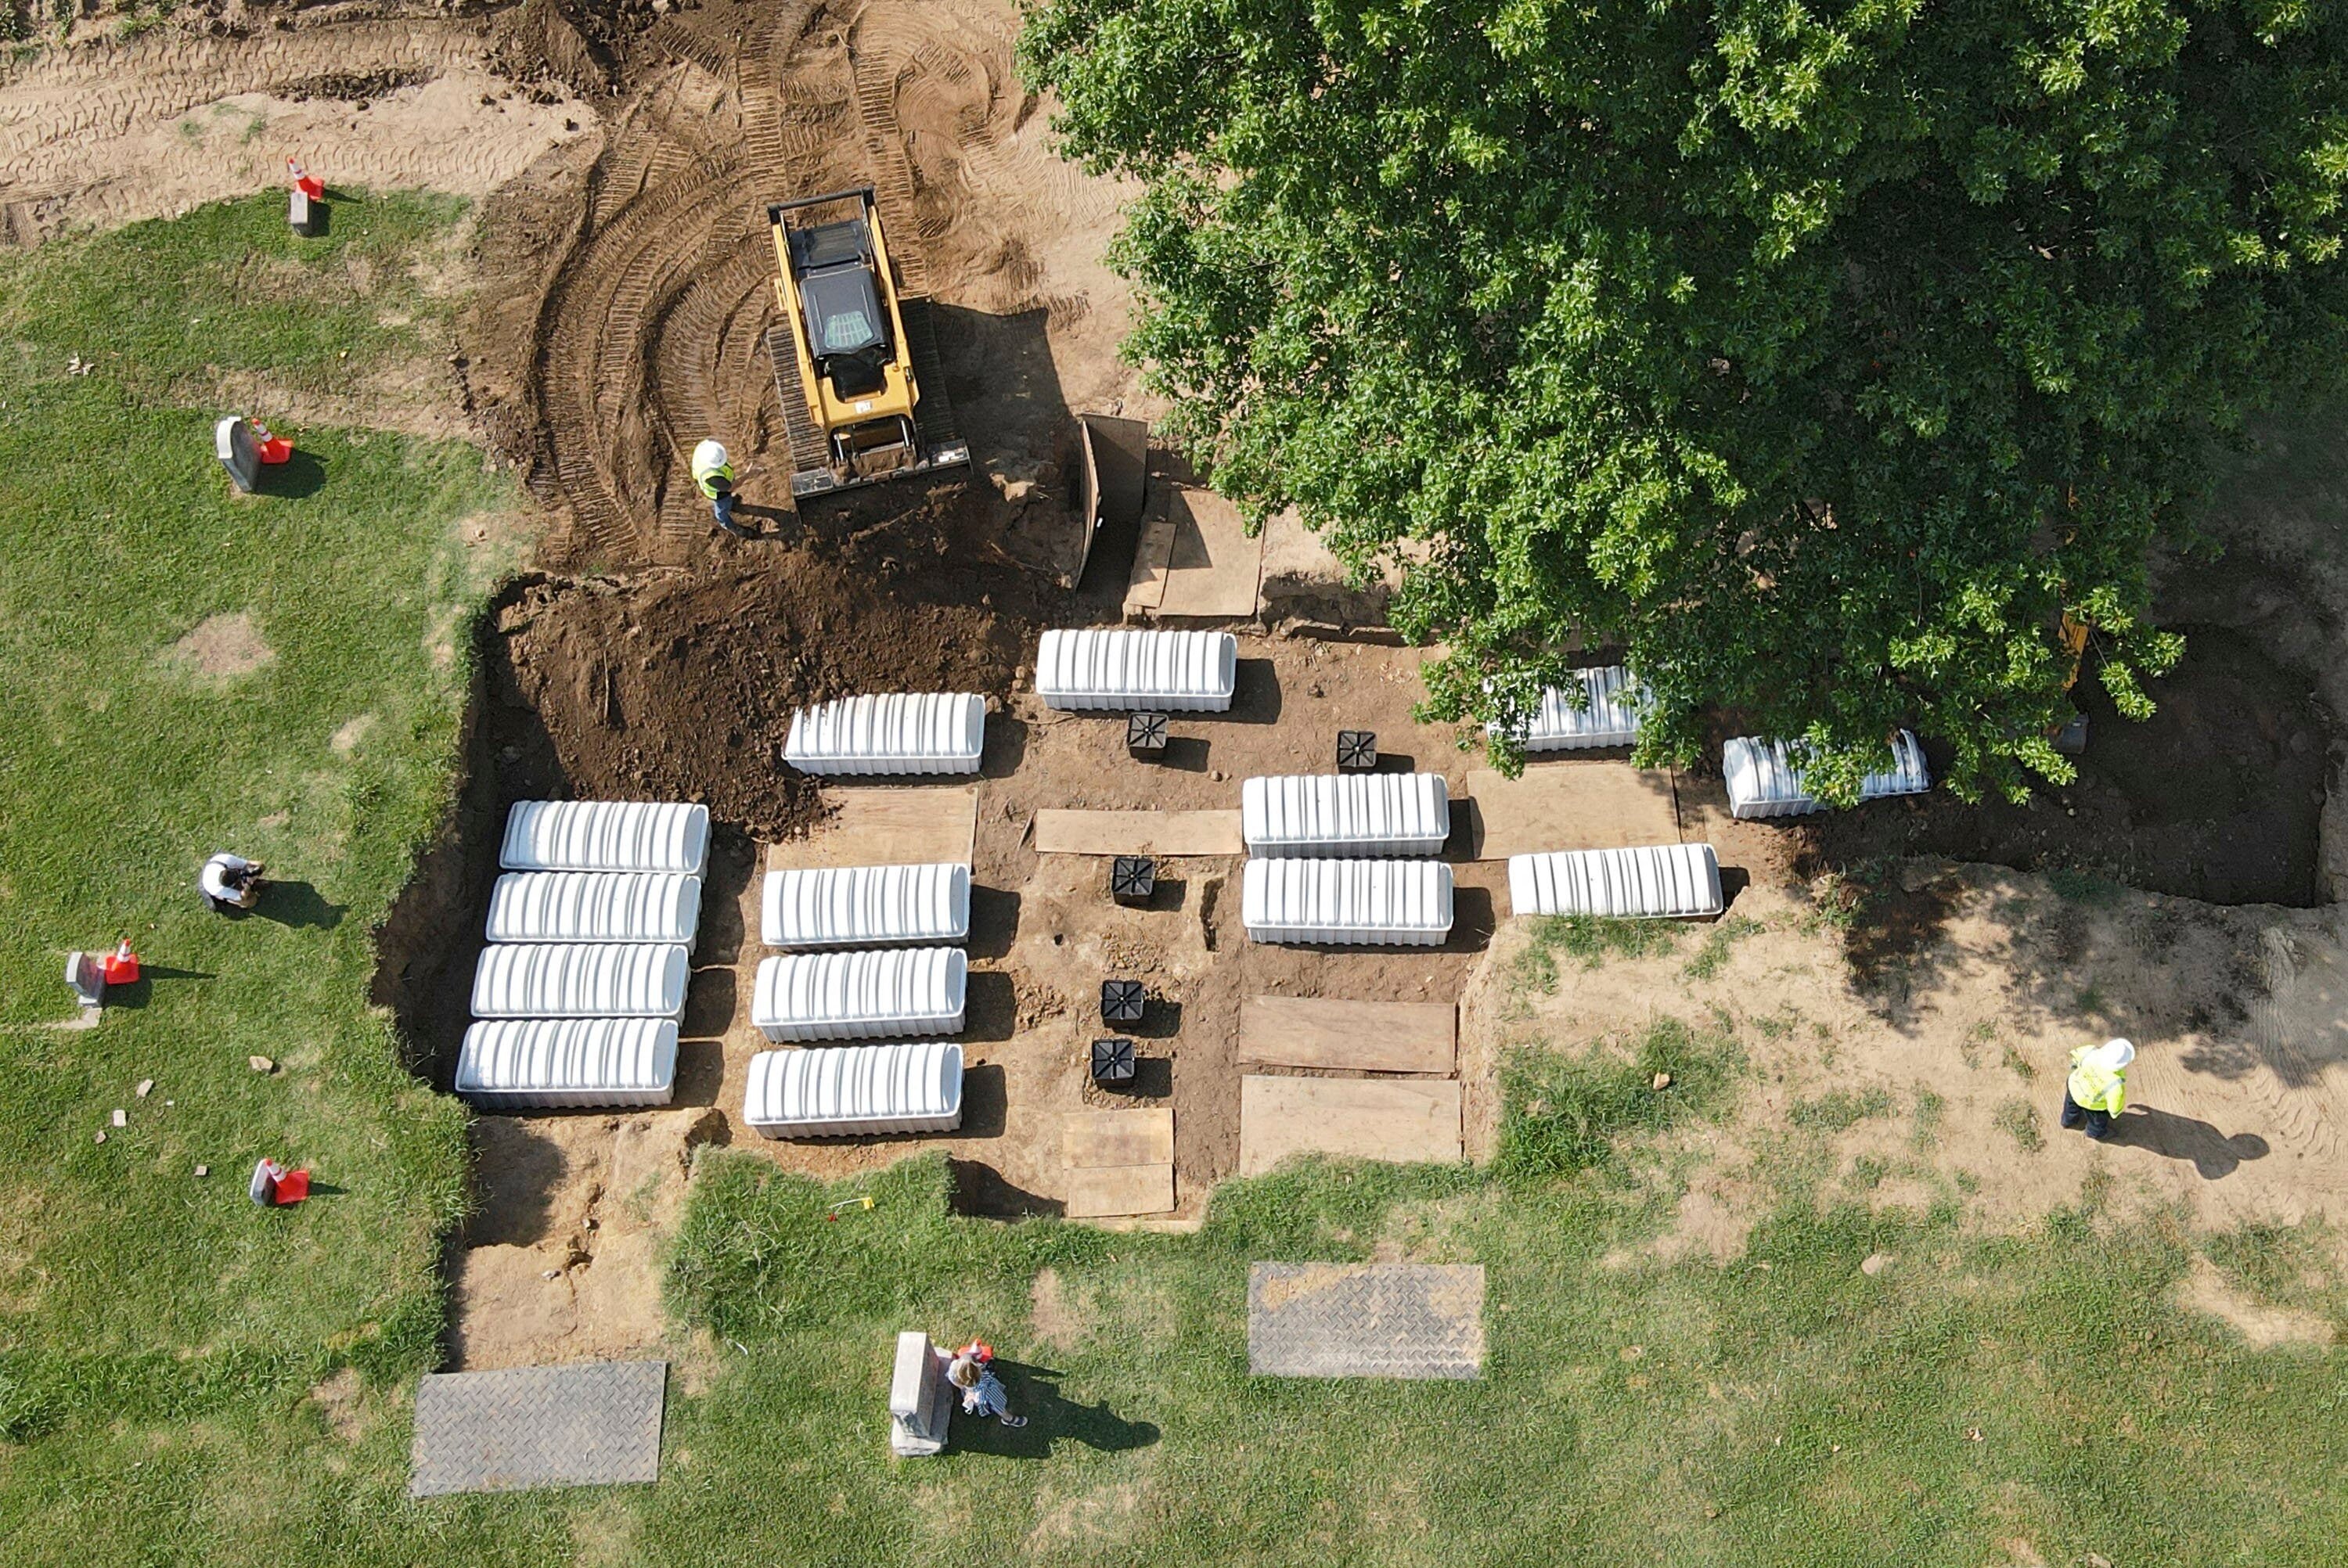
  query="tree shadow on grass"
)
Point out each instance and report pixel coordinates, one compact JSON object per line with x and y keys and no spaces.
{"x":1051,"y":1417}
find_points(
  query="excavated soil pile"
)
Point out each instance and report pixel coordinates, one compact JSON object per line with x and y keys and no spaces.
{"x":683,"y":688}
{"x":680,"y":686}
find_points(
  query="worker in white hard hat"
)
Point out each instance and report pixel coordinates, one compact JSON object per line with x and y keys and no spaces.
{"x":2097,"y":1089}
{"x":714,"y":474}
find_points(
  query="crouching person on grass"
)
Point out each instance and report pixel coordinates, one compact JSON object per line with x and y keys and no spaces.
{"x":982,"y":1391}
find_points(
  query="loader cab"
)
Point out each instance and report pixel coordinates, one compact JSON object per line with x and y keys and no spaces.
{"x":847,"y":327}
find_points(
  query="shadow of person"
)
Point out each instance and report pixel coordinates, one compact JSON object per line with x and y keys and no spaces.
{"x":1034,"y":1393}
{"x":297,"y":904}
{"x":781,"y":519}
{"x":2213,"y":1154}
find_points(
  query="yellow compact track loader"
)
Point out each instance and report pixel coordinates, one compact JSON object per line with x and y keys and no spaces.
{"x":855,"y":360}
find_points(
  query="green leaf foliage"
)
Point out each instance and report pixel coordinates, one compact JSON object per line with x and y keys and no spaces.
{"x":1817,"y":355}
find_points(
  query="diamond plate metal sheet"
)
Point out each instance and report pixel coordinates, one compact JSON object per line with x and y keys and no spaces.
{"x":590,"y":1424}
{"x":1365,"y":1320}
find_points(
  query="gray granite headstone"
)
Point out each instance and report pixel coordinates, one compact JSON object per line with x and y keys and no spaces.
{"x":233,"y":442}
{"x":302,"y":214}
{"x":88,"y":980}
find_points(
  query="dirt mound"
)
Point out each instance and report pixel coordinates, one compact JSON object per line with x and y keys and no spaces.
{"x":682,"y":687}
{"x":2218,"y":796}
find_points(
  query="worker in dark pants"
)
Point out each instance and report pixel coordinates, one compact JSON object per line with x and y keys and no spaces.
{"x":2097,"y":1090}
{"x":714,"y":474}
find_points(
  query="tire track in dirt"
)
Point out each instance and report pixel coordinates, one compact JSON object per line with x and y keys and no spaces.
{"x":101,"y":133}
{"x":2293,"y":1086}
{"x":650,"y":339}
{"x":68,"y":97}
{"x":653,"y":336}
{"x":592,"y":365}
{"x":891,"y":169}
{"x":689,"y":373}
{"x":691,"y":47}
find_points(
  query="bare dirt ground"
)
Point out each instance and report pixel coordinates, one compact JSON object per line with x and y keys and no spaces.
{"x":1045,"y":933}
{"x":621,"y":273}
{"x":651,"y":337}
{"x":1948,"y":1044}
{"x":104,"y":133}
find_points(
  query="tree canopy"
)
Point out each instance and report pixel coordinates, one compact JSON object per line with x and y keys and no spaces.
{"x":1819,"y":355}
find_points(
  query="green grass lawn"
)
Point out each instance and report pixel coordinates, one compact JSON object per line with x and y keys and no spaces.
{"x":1983,"y":1399}
{"x":149,"y":1318}
{"x":1980,"y":1399}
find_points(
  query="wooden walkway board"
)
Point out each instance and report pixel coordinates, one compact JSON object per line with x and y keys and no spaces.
{"x":1108,"y":1190}
{"x":1583,"y":805}
{"x":1099,"y":1138}
{"x":1164,"y":832}
{"x":1353,"y":1037}
{"x":1403,"y":1120}
{"x":886,"y":825}
{"x":1194,"y":558}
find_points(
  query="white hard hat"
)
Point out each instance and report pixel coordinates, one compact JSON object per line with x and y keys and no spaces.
{"x":708,"y":454}
{"x":2118,"y":1052}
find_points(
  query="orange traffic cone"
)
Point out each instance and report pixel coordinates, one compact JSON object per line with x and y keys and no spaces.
{"x":121,"y":966}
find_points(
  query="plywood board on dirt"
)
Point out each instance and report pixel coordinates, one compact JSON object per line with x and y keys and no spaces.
{"x":1153,"y":552}
{"x":1105,"y":1190}
{"x":1169,"y":833}
{"x":1100,"y":1139}
{"x":1214,"y":566}
{"x":1347,"y":1036}
{"x":1195,"y":558}
{"x":1402,"y":1120}
{"x":1571,"y":805}
{"x":886,"y":825}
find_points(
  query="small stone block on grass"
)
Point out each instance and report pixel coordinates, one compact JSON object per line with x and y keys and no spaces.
{"x":1145,"y":736}
{"x":1357,"y":750}
{"x":1123,"y":1002}
{"x":1132,"y":879}
{"x":1112,"y":1062}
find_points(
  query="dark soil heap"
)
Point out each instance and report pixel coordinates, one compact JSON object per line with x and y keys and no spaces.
{"x":682,"y":687}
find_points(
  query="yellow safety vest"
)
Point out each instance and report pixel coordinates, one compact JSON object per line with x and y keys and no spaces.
{"x":2095,"y":1084}
{"x":701,"y":476}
